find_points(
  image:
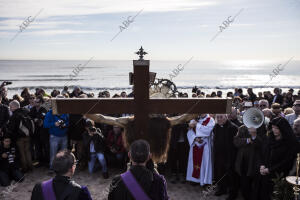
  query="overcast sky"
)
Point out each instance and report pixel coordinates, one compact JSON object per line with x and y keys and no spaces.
{"x":167,"y":29}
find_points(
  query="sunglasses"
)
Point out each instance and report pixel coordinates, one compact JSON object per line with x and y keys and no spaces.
{"x":296,"y":105}
{"x":262,"y":105}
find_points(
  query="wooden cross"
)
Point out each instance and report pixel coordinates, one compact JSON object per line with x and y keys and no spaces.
{"x":141,"y":105}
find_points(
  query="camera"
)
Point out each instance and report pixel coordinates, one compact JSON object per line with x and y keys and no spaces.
{"x":6,"y":83}
{"x":92,"y":129}
{"x":62,"y":124}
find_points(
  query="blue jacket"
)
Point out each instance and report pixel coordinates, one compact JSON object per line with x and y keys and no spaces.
{"x":49,"y":122}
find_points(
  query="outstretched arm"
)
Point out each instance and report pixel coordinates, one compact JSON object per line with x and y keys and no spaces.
{"x":121,"y":121}
{"x":181,"y":119}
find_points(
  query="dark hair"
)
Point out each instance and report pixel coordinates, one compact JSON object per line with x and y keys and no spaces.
{"x":41,"y":99}
{"x":158,"y":137}
{"x":63,"y":161}
{"x":139,"y":151}
{"x":275,"y":106}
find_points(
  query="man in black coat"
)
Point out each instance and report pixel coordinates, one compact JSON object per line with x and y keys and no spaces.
{"x":75,"y":132}
{"x":224,"y":153}
{"x":4,"y":116}
{"x":178,"y":155}
{"x":249,"y":154}
{"x":153,"y":184}
{"x":40,"y":139}
{"x":278,"y":98}
{"x":64,"y":165}
{"x":94,"y":143}
{"x":21,"y":134}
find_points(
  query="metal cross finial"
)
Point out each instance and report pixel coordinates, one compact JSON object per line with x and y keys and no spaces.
{"x":141,"y":53}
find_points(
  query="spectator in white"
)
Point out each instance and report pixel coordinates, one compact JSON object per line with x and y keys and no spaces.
{"x":292,"y":117}
{"x":263,"y":104}
{"x":199,"y":168}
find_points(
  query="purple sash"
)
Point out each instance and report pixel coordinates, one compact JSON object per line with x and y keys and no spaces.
{"x":48,"y":192}
{"x":132,"y":185}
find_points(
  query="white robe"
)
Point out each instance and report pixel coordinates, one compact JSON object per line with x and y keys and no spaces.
{"x":205,"y":132}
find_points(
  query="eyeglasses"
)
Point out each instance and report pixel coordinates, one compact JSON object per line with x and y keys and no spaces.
{"x":296,"y":105}
{"x":262,"y":105}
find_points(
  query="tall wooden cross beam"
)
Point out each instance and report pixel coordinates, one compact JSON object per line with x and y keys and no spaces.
{"x":141,"y":105}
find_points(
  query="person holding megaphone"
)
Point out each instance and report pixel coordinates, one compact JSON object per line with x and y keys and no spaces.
{"x":249,"y":155}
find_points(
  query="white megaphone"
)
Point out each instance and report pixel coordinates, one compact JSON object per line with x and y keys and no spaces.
{"x":253,"y":118}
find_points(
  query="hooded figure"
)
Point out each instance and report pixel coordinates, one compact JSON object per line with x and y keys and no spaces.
{"x":279,"y":155}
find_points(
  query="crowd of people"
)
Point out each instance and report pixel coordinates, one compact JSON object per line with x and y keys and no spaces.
{"x":210,"y":149}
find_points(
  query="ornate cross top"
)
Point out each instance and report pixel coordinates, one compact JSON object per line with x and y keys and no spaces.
{"x":141,"y":53}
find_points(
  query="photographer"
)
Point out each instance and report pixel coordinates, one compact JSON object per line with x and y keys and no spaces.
{"x":8,"y":167}
{"x":58,"y":127}
{"x":41,"y":136}
{"x":21,"y":127}
{"x":3,"y":94}
{"x":95,"y":144}
{"x":4,"y":116}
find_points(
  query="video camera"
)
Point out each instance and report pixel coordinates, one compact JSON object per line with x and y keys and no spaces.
{"x":62,"y":124}
{"x":5,"y":83}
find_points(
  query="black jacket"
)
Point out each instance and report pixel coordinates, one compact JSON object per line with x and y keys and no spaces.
{"x":14,"y":123}
{"x":4,"y":115}
{"x":38,"y":117}
{"x":279,"y":155}
{"x":61,"y":184}
{"x":224,"y":150}
{"x":279,"y":99}
{"x":98,"y":140}
{"x":154,"y":185}
{"x":249,"y":155}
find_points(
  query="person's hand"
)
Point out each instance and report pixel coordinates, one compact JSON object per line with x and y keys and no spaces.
{"x":56,"y":124}
{"x":199,"y":140}
{"x":192,"y":124}
{"x":266,"y":171}
{"x":4,"y":155}
{"x":261,"y":169}
{"x":113,"y":150}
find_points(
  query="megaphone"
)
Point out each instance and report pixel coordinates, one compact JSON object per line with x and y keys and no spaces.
{"x":253,"y":118}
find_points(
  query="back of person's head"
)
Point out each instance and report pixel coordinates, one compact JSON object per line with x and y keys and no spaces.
{"x":275,"y":106}
{"x":139,"y":151}
{"x":40,"y":99}
{"x":63,"y":162}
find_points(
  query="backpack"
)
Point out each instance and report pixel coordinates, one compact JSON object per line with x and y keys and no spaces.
{"x":26,"y":125}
